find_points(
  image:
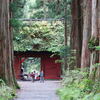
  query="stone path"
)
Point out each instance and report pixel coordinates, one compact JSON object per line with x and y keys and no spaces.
{"x":38,"y":91}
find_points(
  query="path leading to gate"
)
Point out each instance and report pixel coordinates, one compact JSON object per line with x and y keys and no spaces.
{"x":38,"y":91}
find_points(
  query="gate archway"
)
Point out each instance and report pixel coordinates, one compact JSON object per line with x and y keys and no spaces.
{"x":52,"y":70}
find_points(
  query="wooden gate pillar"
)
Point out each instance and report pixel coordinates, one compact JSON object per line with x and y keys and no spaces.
{"x":17,"y":67}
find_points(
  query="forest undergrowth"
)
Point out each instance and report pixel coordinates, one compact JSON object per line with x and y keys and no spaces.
{"x":6,"y":93}
{"x":76,"y":85}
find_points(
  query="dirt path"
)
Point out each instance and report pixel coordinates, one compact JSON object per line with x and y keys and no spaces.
{"x":38,"y":91}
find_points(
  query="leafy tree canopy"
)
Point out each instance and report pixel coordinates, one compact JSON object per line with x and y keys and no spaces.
{"x":39,"y":36}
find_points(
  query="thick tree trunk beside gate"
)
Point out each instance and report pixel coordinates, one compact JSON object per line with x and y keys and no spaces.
{"x":76,"y":34}
{"x":98,"y":29}
{"x":85,"y":57}
{"x":6,"y":51}
{"x":94,"y":34}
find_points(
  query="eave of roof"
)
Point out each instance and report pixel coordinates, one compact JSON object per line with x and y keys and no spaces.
{"x":34,"y":53}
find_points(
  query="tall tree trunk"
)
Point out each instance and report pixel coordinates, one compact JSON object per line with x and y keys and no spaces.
{"x":93,"y":35}
{"x":2,"y":65}
{"x":65,"y":36}
{"x":85,"y":57}
{"x":12,"y":50}
{"x":98,"y":69}
{"x":6,"y":63}
{"x":76,"y":34}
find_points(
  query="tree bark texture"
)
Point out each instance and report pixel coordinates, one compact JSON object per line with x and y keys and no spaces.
{"x":94,"y":34}
{"x":76,"y":34}
{"x":85,"y":57}
{"x":98,"y":27}
{"x":65,"y":36}
{"x":6,"y":56}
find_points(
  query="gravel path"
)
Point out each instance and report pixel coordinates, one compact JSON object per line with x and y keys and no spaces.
{"x":38,"y":91}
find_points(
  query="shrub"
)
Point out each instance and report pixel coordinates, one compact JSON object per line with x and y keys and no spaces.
{"x":77,"y":86}
{"x":6,"y":93}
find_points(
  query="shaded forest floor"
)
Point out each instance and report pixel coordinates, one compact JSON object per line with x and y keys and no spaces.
{"x":38,"y":91}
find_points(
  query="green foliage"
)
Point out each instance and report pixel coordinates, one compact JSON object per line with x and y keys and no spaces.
{"x":39,"y":36}
{"x":31,"y":64}
{"x":97,"y":47}
{"x":92,"y":96}
{"x":17,"y":8}
{"x":93,"y":42}
{"x":15,"y":23}
{"x":77,"y":86}
{"x":38,"y":14}
{"x":96,"y":65}
{"x":65,"y":51}
{"x":96,"y":96}
{"x":48,"y":9}
{"x":1,"y":82}
{"x":56,"y":9}
{"x":39,"y":3}
{"x":6,"y":93}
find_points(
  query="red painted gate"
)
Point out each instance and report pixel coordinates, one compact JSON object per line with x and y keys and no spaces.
{"x":51,"y":69}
